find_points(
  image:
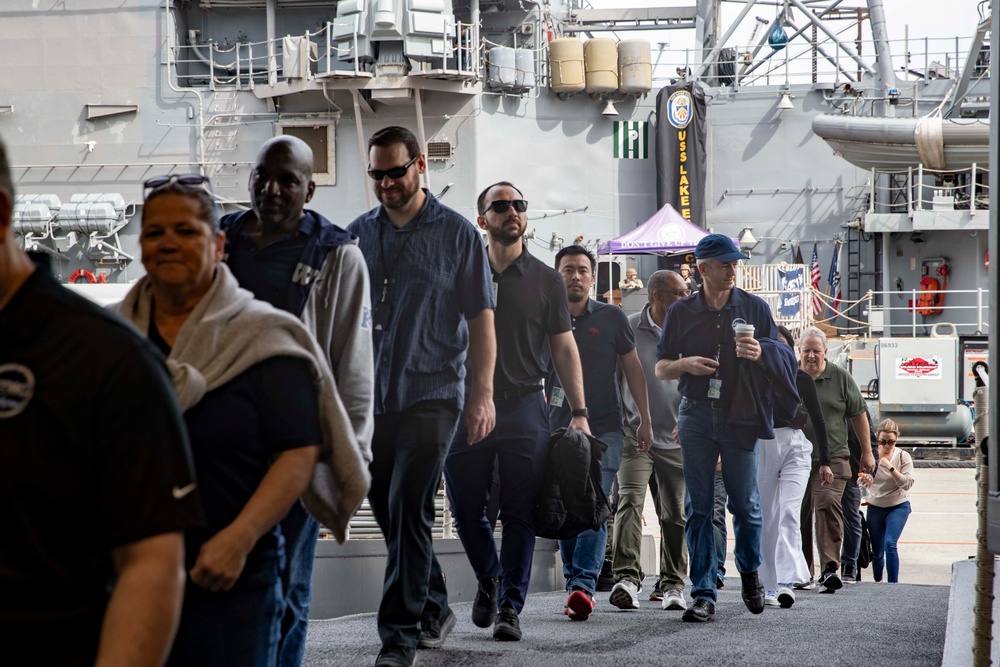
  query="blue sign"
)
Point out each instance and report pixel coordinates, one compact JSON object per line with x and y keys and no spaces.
{"x":790,"y":280}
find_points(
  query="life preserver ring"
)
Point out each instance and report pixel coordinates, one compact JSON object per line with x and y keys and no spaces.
{"x":83,"y":273}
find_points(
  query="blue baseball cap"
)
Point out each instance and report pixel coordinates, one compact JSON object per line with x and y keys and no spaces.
{"x":720,"y":247}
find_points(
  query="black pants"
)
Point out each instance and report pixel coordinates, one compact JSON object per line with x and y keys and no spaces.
{"x":408,"y":451}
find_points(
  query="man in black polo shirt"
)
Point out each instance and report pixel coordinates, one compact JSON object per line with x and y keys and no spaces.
{"x":605,"y":341}
{"x":96,"y":485}
{"x":531,"y":309}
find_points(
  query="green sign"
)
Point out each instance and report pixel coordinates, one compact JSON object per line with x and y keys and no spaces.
{"x":631,"y":140}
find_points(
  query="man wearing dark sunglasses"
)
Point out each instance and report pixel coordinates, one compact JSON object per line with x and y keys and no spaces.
{"x":300,"y":262}
{"x":532,"y":309}
{"x":432,"y":305}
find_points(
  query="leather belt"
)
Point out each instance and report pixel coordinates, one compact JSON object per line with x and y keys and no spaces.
{"x":516,"y":392}
{"x":708,"y":403}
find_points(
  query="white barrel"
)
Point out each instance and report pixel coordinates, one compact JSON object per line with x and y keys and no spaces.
{"x":566,"y":65}
{"x":600,"y":57}
{"x":524,"y":59}
{"x":503,"y":71}
{"x":635,"y":66}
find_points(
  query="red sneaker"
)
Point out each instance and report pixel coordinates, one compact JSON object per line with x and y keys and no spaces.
{"x":579,"y":605}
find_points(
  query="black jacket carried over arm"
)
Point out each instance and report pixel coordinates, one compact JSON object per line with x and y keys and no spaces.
{"x":572,"y":499}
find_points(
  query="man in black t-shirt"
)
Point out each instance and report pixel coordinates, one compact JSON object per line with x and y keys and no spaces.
{"x":96,"y":486}
{"x":531,"y":310}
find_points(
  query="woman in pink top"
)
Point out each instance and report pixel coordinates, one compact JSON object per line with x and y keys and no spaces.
{"x":888,"y":507}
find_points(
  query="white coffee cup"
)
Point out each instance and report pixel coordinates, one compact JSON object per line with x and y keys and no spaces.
{"x":744,"y":330}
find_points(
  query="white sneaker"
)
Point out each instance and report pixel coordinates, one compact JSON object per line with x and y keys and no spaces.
{"x":674,"y":599}
{"x":771,"y":599}
{"x":625,"y":595}
{"x":786,"y":598}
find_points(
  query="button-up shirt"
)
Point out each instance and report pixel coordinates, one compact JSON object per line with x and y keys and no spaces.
{"x":435,"y":275}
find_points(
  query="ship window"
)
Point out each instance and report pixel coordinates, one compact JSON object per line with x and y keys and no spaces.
{"x":320,"y":138}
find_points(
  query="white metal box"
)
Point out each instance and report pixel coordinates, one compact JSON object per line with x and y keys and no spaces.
{"x":918,"y":374}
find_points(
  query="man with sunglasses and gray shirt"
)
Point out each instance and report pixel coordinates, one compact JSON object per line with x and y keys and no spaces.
{"x":531,"y":310}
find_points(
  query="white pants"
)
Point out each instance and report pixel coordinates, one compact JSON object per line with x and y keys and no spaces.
{"x":783,"y":467}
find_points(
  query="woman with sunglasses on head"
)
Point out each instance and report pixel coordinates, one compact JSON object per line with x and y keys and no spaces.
{"x":783,"y":468}
{"x":258,"y":401}
{"x":888,"y":506}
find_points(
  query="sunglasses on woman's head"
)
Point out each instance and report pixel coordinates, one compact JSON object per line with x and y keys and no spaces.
{"x":189,"y":180}
{"x":503,"y":205}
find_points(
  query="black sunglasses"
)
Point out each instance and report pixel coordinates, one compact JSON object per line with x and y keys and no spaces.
{"x":190,"y":180}
{"x":882,"y":441}
{"x":394,"y":173}
{"x":503,"y":205}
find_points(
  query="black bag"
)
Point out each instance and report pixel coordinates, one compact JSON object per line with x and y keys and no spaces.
{"x":800,"y":418}
{"x":865,"y":552}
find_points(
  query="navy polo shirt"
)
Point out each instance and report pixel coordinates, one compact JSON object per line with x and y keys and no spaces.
{"x":531,"y":306}
{"x":694,"y":329}
{"x":436,"y":275}
{"x":603,"y":334}
{"x":267,"y":272}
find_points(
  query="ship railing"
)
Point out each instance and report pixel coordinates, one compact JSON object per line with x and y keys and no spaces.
{"x":784,"y":287}
{"x":884,"y":313}
{"x":814,"y":57}
{"x":246,"y":64}
{"x":922,"y":189}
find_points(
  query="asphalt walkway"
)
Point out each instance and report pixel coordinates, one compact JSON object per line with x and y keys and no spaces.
{"x":863,"y":624}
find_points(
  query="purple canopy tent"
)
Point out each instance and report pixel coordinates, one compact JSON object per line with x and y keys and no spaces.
{"x":665,"y":233}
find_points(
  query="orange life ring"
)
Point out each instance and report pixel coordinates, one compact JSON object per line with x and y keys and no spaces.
{"x":83,"y":273}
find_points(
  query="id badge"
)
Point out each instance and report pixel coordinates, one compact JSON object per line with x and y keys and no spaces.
{"x":381,"y":318}
{"x":558,"y":397}
{"x":496,"y":291}
{"x":715,"y":388}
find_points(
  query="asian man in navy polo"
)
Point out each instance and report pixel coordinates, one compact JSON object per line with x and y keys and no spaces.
{"x":605,"y":341}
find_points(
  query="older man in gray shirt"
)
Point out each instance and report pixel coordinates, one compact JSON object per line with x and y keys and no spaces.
{"x":662,"y":461}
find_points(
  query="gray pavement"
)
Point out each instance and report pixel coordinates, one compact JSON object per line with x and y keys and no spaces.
{"x":863,"y":624}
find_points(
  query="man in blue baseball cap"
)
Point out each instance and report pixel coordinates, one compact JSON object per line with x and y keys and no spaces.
{"x":706,"y":338}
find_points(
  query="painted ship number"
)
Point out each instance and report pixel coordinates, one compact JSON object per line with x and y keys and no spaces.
{"x":888,"y":344}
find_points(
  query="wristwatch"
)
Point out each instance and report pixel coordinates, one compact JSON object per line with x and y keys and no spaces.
{"x":581,"y":412}
{"x":891,"y":469}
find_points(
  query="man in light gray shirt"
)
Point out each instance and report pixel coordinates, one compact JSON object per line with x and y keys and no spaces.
{"x":662,"y":461}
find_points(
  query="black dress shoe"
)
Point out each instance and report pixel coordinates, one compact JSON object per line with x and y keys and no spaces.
{"x":434,"y":632}
{"x":484,"y":608}
{"x":396,"y":656}
{"x":849,"y":574}
{"x":508,"y":627}
{"x":699,"y":612}
{"x":753,"y":592}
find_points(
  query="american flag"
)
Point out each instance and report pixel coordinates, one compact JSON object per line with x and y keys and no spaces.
{"x":815,"y":276}
{"x":833,"y":280}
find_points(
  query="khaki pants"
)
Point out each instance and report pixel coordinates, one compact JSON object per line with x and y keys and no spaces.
{"x":633,"y":479}
{"x":825,"y":501}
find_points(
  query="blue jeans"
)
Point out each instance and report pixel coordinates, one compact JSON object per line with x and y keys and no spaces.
{"x":583,"y":555}
{"x":519,"y":443}
{"x":850,"y":505}
{"x":300,"y":531}
{"x":238,"y":627}
{"x":705,"y":436}
{"x":886,"y":525}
